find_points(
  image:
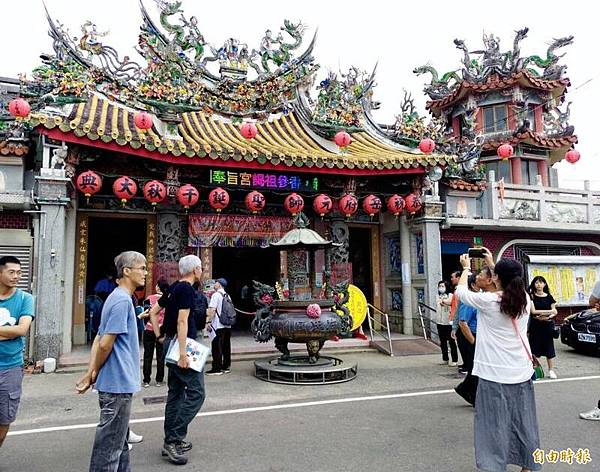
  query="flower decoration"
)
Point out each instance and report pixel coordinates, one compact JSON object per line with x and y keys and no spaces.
{"x":266,"y":299}
{"x":313,"y":310}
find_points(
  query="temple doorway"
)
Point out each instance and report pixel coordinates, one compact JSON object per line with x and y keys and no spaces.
{"x":239,"y":266}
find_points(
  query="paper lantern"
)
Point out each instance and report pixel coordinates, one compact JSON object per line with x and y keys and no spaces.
{"x":372,"y":205}
{"x":348,"y":205}
{"x":19,"y":107}
{"x":413,"y":203}
{"x":124,"y":188}
{"x":572,"y":156}
{"x":188,"y":195}
{"x":143,"y":120}
{"x":505,"y":151}
{"x":322,"y":204}
{"x":395,"y":204}
{"x":88,"y":183}
{"x":249,"y":130}
{"x":426,"y":145}
{"x":294,"y":203}
{"x":342,"y":139}
{"x":155,"y":192}
{"x":218,"y":199}
{"x":255,"y":201}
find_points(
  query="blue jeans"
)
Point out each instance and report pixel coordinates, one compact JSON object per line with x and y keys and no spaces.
{"x":185,"y":398}
{"x":110,"y":452}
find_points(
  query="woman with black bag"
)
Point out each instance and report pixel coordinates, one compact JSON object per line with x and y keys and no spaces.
{"x":541,"y":324}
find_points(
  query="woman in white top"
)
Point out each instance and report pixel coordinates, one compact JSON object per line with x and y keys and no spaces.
{"x":444,"y":325}
{"x":506,"y":428}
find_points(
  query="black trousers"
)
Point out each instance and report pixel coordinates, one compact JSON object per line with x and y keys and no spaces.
{"x":444,"y":332}
{"x":150,"y":344}
{"x":467,"y":350}
{"x":468,"y":387}
{"x":221,"y":349}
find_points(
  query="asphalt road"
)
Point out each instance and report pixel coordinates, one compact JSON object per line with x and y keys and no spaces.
{"x":249,"y":425}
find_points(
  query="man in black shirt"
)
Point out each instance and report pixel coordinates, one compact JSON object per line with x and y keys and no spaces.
{"x":186,"y":386}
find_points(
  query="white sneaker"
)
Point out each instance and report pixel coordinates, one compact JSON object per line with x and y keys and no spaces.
{"x":593,"y":415}
{"x":452,"y":364}
{"x":129,"y":446}
{"x":552,"y":374}
{"x":134,"y":438}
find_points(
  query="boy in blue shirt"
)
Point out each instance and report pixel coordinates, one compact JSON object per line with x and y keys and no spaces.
{"x":16,"y":314}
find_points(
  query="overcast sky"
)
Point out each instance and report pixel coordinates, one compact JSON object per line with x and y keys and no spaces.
{"x":398,"y":36}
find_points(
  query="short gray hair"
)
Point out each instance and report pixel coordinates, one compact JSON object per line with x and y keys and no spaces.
{"x":128,"y":259}
{"x":188,"y":263}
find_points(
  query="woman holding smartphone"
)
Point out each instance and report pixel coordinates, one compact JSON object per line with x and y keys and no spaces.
{"x":541,"y":325}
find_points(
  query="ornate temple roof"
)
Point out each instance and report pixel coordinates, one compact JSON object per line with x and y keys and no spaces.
{"x":201,"y":138}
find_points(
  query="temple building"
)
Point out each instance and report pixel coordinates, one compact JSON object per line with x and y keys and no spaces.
{"x":211,"y":150}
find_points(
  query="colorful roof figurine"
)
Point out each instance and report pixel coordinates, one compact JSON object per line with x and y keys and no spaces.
{"x":199,"y":94}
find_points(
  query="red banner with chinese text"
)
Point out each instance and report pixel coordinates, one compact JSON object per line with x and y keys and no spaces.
{"x":208,"y":230}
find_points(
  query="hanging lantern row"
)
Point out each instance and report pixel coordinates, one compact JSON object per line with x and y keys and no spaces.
{"x":125,"y":188}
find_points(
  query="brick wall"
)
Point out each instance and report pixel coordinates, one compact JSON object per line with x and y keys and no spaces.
{"x":495,"y":240}
{"x":13,"y":220}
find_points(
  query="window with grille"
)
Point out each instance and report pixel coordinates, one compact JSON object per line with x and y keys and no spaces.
{"x":23,"y":253}
{"x":522,"y":250}
{"x":495,"y":119}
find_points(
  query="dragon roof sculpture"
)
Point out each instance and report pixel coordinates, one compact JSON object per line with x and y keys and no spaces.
{"x":480,"y":66}
{"x":180,"y":71}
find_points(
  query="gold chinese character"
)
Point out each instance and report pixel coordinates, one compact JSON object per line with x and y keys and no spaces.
{"x":567,"y":455}
{"x":151,"y":226}
{"x":232,"y":178}
{"x":538,"y":456}
{"x":246,"y":179}
{"x":583,"y":456}
{"x":552,"y":456}
{"x":151,"y":234}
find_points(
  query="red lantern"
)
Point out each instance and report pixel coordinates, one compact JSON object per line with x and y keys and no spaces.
{"x":413,"y":203}
{"x":372,"y":205}
{"x":124,"y":188}
{"x":255,"y":201}
{"x":395,"y":204}
{"x":294,"y":203}
{"x":218,"y":199}
{"x":342,"y":139}
{"x":88,"y":183}
{"x":155,"y":192}
{"x":188,"y":195}
{"x":505,"y":151}
{"x":323,"y":204}
{"x":143,"y":120}
{"x":348,"y":205}
{"x":249,"y":130}
{"x":19,"y":108}
{"x":426,"y":145}
{"x":572,"y":156}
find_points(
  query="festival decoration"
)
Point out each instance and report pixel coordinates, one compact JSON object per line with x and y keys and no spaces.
{"x":322,"y":204}
{"x":572,"y":156}
{"x":218,"y":199}
{"x":348,"y":205}
{"x":395,"y":204}
{"x":155,"y":192}
{"x":294,"y":203}
{"x":19,"y":108}
{"x":188,"y":195}
{"x":427,"y":145}
{"x":505,"y":151}
{"x":313,"y":310}
{"x":255,"y":201}
{"x":143,"y":120}
{"x":342,"y":139}
{"x":249,"y":130}
{"x":413,"y":203}
{"x":124,"y":188}
{"x":88,"y":183}
{"x":372,"y":205}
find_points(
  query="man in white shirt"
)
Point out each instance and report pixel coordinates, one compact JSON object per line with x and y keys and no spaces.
{"x":219,"y":333}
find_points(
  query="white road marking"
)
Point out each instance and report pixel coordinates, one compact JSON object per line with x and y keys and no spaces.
{"x":285,"y":406}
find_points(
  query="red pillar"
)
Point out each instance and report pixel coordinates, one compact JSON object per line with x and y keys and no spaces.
{"x":515,"y":167}
{"x":542,"y":166}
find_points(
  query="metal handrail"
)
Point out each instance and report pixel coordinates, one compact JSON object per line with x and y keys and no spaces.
{"x":421,"y":304}
{"x":372,"y":320}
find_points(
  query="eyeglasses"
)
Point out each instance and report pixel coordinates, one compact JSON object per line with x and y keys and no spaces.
{"x":143,"y":268}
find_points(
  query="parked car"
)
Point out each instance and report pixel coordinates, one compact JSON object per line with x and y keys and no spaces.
{"x":581,"y":331}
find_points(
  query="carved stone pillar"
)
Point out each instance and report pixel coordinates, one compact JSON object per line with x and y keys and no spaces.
{"x":169,"y":243}
{"x":340,"y":233}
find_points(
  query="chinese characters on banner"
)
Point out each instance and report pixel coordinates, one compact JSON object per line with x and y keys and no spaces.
{"x":262,"y":180}
{"x":568,"y":284}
